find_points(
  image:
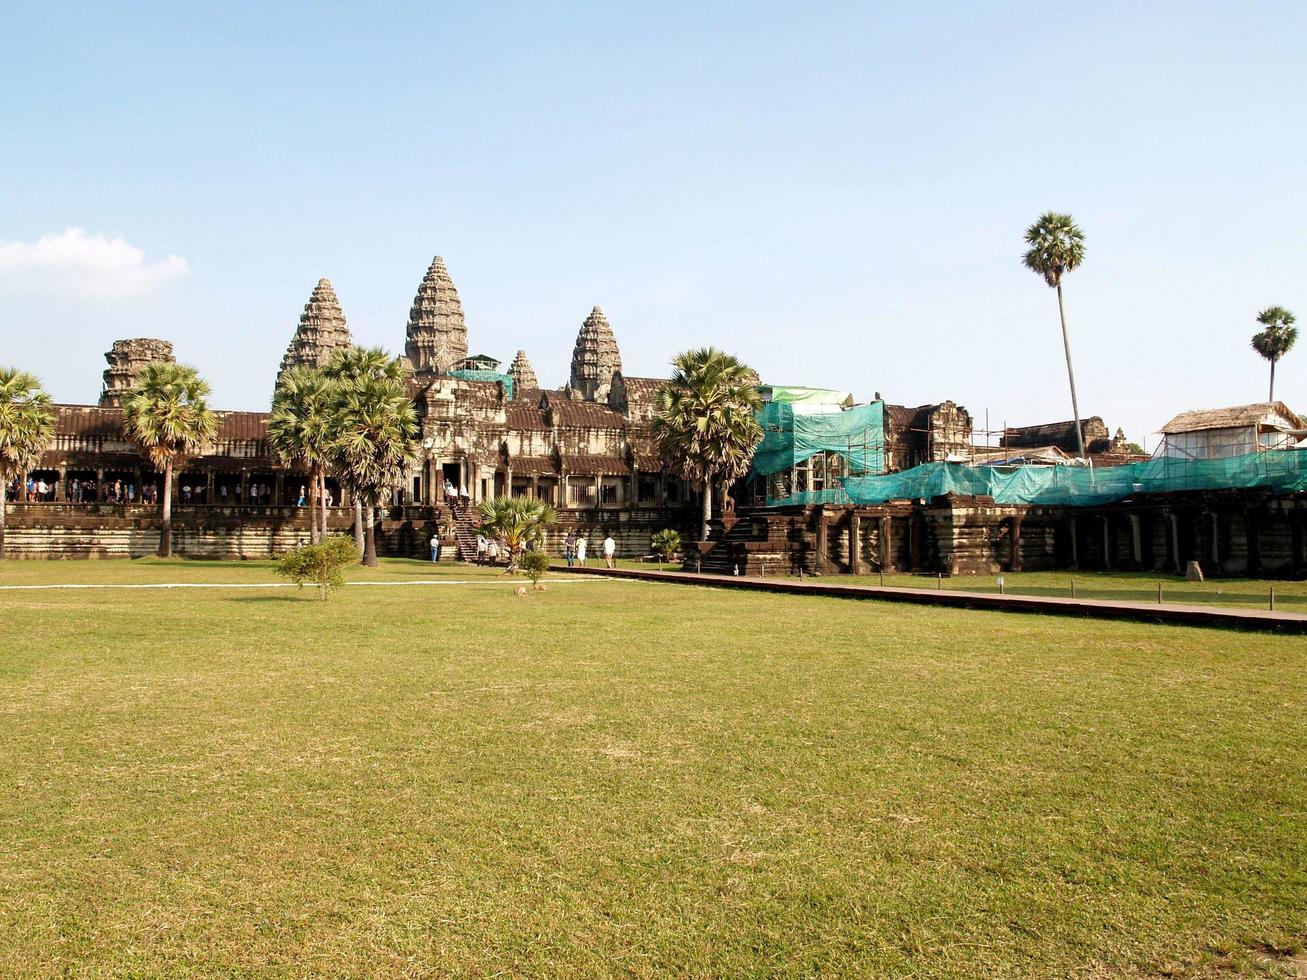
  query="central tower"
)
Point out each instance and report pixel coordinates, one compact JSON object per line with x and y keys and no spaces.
{"x":437,"y":335}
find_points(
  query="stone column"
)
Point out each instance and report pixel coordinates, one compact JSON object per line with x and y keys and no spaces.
{"x":1136,"y":541}
{"x":99,"y":486}
{"x":1214,"y":531}
{"x":209,"y":488}
{"x":1175,"y":541}
{"x":1075,"y":542}
{"x":1014,"y":563}
{"x":62,"y":495}
{"x":886,"y":545}
{"x":278,"y":490}
{"x":1106,"y":538}
{"x":819,"y":565}
{"x":855,"y":542}
{"x":1254,"y":545}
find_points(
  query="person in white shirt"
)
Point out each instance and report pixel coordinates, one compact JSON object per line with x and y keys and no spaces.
{"x":481,"y":549}
{"x":610,"y":551}
{"x":580,"y":550}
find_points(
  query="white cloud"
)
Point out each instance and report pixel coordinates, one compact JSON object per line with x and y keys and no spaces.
{"x":87,"y":265}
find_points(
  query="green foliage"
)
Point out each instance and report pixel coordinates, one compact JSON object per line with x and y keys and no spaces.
{"x":299,"y":428}
{"x":666,"y":543}
{"x":706,"y":419}
{"x":517,"y":521}
{"x":1057,"y":246}
{"x":373,"y":426}
{"x":534,"y":564}
{"x":26,"y":422}
{"x":322,"y":564}
{"x":167,"y":414}
{"x":1276,"y":339}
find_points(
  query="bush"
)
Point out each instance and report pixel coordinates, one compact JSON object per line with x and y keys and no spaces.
{"x":666,"y":543}
{"x":322,"y":564}
{"x":533,"y":564}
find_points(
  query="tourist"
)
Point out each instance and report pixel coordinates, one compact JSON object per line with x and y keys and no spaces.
{"x":222,"y":493}
{"x":462,"y":492}
{"x":435,"y":547}
{"x":77,"y":491}
{"x":481,"y":549}
{"x":569,"y":548}
{"x":303,"y":496}
{"x":42,"y":488}
{"x":330,"y":499}
{"x":131,"y":493}
{"x":580,"y":550}
{"x":492,"y":552}
{"x":610,"y":551}
{"x":450,"y":493}
{"x":186,"y":494}
{"x":117,"y":491}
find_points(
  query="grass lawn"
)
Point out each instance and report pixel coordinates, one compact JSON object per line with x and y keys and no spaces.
{"x":621,"y":777}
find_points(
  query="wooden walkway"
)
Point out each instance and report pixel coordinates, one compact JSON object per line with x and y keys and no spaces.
{"x":1225,"y":617}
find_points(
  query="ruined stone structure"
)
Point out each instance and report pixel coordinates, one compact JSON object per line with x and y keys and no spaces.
{"x":437,"y":334}
{"x":523,"y":375}
{"x":925,"y":434}
{"x":595,"y":359}
{"x":321,"y":331}
{"x":125,"y":359}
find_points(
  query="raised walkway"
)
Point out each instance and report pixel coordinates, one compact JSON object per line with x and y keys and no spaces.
{"x":1224,"y":617}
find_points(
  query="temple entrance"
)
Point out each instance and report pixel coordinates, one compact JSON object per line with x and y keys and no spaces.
{"x":451,"y":474}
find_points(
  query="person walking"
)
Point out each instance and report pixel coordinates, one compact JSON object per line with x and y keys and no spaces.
{"x":569,"y":548}
{"x":610,"y":551}
{"x":492,"y":551}
{"x":481,"y":549}
{"x":580,"y":551}
{"x":435,"y":547}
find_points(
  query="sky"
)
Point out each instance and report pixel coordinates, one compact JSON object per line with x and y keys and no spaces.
{"x":834,"y":192}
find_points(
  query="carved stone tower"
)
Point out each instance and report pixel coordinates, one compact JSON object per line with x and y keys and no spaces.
{"x":523,"y":375}
{"x":437,"y":334}
{"x":125,"y":359}
{"x":321,"y":331}
{"x":595,"y":359}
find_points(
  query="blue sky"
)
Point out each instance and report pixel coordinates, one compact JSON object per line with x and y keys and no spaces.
{"x":835,"y":192}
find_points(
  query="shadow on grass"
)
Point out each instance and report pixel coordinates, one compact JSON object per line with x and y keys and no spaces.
{"x":297,"y":597}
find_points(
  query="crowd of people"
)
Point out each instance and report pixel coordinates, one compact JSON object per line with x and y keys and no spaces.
{"x":576,"y":549}
{"x":38,"y":490}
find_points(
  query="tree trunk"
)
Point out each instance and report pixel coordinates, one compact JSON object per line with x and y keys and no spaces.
{"x":358,"y":524}
{"x":1270,"y":397}
{"x":4,"y":491}
{"x":370,"y":528}
{"x":1071,"y":375}
{"x":165,"y":513}
{"x":313,"y":505}
{"x":707,"y":508}
{"x":322,"y":502}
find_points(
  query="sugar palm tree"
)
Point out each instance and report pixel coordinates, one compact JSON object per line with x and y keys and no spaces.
{"x":167,"y":415}
{"x":517,"y":521}
{"x":26,"y":430}
{"x":348,"y":366}
{"x":299,"y":432}
{"x":1057,"y":246}
{"x":1276,"y":339}
{"x":374,"y":433}
{"x":706,"y":420}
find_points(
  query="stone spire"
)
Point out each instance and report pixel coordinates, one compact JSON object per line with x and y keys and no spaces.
{"x":125,"y":359}
{"x":595,"y":359}
{"x":523,"y":375}
{"x":437,"y":335}
{"x":322,"y":331}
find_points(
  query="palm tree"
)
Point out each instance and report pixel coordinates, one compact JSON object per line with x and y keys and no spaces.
{"x":167,"y":415}
{"x":706,"y":420}
{"x":299,"y":432}
{"x":26,"y":430}
{"x":517,"y":521}
{"x":374,"y":431}
{"x":1057,"y":247}
{"x":1277,"y":339}
{"x":347,"y":367}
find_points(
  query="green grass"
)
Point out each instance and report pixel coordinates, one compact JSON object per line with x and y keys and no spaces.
{"x":615,"y":777}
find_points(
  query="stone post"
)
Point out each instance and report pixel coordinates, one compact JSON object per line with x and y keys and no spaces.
{"x":209,"y":488}
{"x":62,"y":495}
{"x":819,"y":566}
{"x":1214,"y":531}
{"x":1254,"y":545}
{"x":1014,"y":563}
{"x":1106,"y":537}
{"x":885,"y":542}
{"x":1075,"y":542}
{"x":855,"y":542}
{"x":1175,"y":541}
{"x":1136,"y":541}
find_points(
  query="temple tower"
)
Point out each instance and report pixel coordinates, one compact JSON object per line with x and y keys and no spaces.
{"x":125,"y":359}
{"x":321,"y":331}
{"x":437,"y":335}
{"x":595,"y":359}
{"x":523,"y":375}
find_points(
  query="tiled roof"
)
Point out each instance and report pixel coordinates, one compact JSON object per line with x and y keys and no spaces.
{"x":585,"y":415}
{"x":532,"y":465}
{"x":643,"y":389}
{"x":594,"y":465}
{"x":525,"y":416}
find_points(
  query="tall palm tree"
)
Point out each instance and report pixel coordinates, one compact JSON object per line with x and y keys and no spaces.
{"x":1276,"y":339}
{"x":299,"y":432}
{"x":518,"y":521}
{"x":374,"y":433}
{"x":1057,"y":246}
{"x":349,"y":366}
{"x":167,"y":415}
{"x":706,"y":420}
{"x":26,"y":430}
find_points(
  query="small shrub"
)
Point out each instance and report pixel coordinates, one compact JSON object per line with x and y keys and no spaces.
{"x":322,"y":564}
{"x":533,"y":564}
{"x":666,"y":543}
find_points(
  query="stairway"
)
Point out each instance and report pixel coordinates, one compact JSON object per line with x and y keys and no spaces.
{"x":466,"y":524}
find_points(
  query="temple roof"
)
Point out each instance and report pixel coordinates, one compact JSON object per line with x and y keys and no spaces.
{"x":523,"y":375}
{"x":595,"y":358}
{"x":436,"y":338}
{"x":321,"y":332}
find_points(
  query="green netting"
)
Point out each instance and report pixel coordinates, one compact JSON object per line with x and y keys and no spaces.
{"x":788,"y":437}
{"x":471,"y":374}
{"x":1283,"y":471}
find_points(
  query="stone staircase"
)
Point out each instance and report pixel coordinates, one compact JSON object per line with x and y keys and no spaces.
{"x":757,"y":542}
{"x":466,"y":523}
